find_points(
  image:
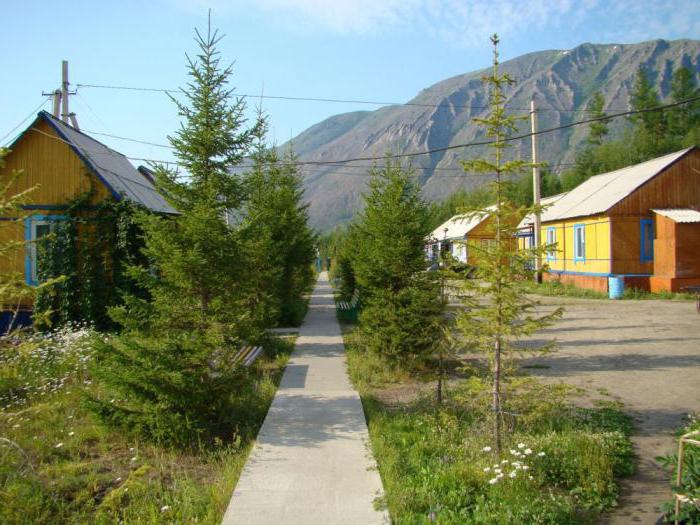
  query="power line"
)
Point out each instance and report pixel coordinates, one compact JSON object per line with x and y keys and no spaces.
{"x":337,"y":100}
{"x":33,"y":113}
{"x":344,"y":162}
{"x":507,"y":139}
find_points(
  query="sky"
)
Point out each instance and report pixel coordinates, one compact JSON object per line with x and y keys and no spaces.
{"x":371,"y":50}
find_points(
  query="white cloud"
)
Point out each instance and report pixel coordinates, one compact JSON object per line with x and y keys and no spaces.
{"x":468,"y":23}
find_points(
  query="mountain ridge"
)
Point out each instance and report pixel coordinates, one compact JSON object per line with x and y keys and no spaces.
{"x":560,"y":81}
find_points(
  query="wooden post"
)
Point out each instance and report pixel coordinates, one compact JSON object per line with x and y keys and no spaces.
{"x":536,"y":191}
{"x":57,"y":103}
{"x":64,"y":92}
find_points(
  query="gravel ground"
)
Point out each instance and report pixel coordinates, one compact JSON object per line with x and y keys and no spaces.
{"x":645,"y":354}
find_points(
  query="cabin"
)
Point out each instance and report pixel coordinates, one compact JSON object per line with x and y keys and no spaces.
{"x":641,"y":223}
{"x":455,"y":235}
{"x":63,"y":163}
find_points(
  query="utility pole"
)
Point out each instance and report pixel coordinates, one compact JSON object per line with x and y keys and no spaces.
{"x":57,"y":103}
{"x":536,"y":191}
{"x":61,"y":108}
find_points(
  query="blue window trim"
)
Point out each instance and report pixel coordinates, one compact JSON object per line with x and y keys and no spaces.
{"x":645,"y":256}
{"x":581,"y":258}
{"x":28,"y":238}
{"x":551,"y":256}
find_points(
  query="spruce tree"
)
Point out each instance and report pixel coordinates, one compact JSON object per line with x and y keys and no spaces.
{"x":276,"y":219}
{"x":683,"y":118}
{"x":170,"y":374}
{"x":498,"y":312}
{"x":402,"y":309}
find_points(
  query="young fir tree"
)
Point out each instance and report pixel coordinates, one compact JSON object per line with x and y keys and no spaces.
{"x":15,"y":293}
{"x":402,"y":308}
{"x":497,"y":311}
{"x":683,"y":118}
{"x":276,"y":220}
{"x":170,"y":373}
{"x":650,"y":126}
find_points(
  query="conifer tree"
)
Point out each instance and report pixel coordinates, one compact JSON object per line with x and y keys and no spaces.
{"x":497,"y":310}
{"x":402,"y":308}
{"x":15,"y":293}
{"x":277,"y":220}
{"x":683,"y":118}
{"x":171,"y":370}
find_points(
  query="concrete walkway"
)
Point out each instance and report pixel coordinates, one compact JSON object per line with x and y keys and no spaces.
{"x":311,"y":463}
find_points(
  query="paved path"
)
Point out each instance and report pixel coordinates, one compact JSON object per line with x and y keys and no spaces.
{"x":311,"y":463}
{"x":645,"y":354}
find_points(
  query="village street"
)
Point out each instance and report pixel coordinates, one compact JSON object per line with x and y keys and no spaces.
{"x":645,"y":354}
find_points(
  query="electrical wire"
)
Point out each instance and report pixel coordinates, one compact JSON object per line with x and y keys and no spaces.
{"x":25,"y":119}
{"x":343,"y":162}
{"x":338,"y":100}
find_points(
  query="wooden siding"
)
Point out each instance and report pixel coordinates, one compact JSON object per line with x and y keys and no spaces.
{"x":676,"y":187}
{"x":58,"y":175}
{"x":627,"y":246}
{"x":51,"y":165}
{"x":676,"y":249}
{"x":597,"y":256}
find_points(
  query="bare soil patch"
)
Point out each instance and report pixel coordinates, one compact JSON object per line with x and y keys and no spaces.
{"x":644,"y":354}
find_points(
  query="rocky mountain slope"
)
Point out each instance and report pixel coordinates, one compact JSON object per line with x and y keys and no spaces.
{"x":560,"y":82}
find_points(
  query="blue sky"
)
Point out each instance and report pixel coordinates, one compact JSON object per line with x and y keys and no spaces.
{"x":386,"y":50}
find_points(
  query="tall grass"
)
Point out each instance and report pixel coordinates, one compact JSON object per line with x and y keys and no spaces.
{"x":560,"y":463}
{"x":59,"y":465}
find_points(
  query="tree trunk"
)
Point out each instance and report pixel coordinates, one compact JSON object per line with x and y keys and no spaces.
{"x":496,"y":402}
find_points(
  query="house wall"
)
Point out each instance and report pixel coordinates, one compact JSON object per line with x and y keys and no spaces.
{"x":627,"y":246}
{"x":597,"y":246}
{"x":664,"y":247}
{"x":56,"y":173}
{"x":678,"y":186}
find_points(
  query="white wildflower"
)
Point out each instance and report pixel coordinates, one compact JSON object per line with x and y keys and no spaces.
{"x":541,"y":454}
{"x":486,"y":449}
{"x":59,"y":445}
{"x":165,"y":508}
{"x":504,"y":462}
{"x":513,"y":474}
{"x":527,"y":451}
{"x":487,"y":469}
{"x":521,"y":445}
{"x":71,"y":433}
{"x":493,"y":481}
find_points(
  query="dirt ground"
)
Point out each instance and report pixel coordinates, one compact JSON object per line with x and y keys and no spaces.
{"x":645,"y":354}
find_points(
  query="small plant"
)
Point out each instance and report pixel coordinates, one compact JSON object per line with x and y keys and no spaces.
{"x":688,"y":491}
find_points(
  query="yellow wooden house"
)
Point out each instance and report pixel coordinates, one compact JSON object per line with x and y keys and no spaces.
{"x":63,"y":164}
{"x":608,"y":226}
{"x":460,"y":233}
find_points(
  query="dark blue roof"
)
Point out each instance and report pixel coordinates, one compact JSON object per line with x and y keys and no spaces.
{"x":111,"y":167}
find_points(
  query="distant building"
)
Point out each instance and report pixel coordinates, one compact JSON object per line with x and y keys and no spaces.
{"x":456,"y":235}
{"x":641,"y":222}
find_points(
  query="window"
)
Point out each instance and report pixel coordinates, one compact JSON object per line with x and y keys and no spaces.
{"x":551,"y":243}
{"x":579,"y":242}
{"x":646,"y":234}
{"x":36,"y":228}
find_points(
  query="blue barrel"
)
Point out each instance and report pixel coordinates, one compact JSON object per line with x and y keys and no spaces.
{"x":616,"y":287}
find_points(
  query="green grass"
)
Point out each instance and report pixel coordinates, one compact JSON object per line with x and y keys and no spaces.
{"x":435,"y":469}
{"x":553,"y":288}
{"x":59,"y":465}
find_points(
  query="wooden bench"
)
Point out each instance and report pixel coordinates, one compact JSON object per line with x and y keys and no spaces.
{"x":247,"y":355}
{"x":348,"y":310}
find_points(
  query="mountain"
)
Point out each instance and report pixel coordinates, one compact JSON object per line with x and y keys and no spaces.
{"x":442,"y":114}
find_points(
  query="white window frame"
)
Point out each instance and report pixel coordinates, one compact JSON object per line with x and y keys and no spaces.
{"x":579,"y":247}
